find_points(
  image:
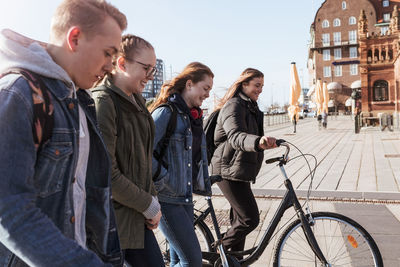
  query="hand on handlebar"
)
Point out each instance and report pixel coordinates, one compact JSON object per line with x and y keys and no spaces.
{"x":267,"y":142}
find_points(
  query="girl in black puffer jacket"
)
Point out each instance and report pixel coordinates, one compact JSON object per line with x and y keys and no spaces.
{"x":239,"y":137}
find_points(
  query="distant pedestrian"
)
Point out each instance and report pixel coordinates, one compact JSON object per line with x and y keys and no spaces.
{"x":319,"y":119}
{"x":182,"y":169}
{"x":324,"y":116}
{"x":128,"y":131}
{"x":240,"y":140}
{"x":55,"y":195}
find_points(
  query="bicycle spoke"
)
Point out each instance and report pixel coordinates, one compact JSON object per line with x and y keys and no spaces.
{"x":341,"y":243}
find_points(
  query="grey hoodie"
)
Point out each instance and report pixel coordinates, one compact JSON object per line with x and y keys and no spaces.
{"x":17,"y":51}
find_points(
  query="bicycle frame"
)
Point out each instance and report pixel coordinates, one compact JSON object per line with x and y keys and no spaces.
{"x":289,"y":200}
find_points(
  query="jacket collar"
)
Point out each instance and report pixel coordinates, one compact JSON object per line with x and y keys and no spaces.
{"x":138,"y":98}
{"x":251,"y":105}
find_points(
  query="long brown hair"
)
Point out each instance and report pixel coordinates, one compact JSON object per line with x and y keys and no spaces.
{"x":246,"y":76}
{"x":195,"y":72}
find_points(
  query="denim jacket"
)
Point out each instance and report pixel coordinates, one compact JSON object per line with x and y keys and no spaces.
{"x":175,"y":185}
{"x":36,"y":205}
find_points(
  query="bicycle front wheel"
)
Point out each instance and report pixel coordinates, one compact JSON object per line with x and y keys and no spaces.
{"x":342,"y":241}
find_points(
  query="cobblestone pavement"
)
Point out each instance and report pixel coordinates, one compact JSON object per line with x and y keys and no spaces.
{"x":357,"y":175}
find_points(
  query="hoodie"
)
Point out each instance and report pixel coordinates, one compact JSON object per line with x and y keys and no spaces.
{"x":17,"y":51}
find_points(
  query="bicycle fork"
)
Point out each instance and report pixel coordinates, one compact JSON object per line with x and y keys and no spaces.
{"x":306,"y":225}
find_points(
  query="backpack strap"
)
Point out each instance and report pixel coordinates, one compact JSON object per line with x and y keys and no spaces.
{"x":43,"y":117}
{"x":164,"y":142}
{"x":117,"y":106}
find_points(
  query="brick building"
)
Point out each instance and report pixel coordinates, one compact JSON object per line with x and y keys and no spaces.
{"x":354,"y":44}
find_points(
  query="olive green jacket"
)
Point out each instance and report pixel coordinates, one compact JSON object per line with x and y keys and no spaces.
{"x":131,"y":155}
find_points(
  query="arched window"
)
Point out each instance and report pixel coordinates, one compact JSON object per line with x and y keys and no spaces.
{"x":380,"y":92}
{"x":325,"y":24}
{"x":352,"y":21}
{"x":344,"y":5}
{"x":336,"y":22}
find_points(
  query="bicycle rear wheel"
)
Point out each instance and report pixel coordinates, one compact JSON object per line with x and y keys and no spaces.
{"x":342,"y":241}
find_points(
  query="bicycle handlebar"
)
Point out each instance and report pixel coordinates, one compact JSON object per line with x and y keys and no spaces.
{"x":284,"y":158}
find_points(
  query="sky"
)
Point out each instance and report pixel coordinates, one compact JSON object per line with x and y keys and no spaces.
{"x":226,"y":35}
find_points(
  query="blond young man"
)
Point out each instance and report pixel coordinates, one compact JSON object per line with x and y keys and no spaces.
{"x":55,"y":197}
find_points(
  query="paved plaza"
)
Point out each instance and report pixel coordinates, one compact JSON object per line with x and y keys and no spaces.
{"x":357,"y":175}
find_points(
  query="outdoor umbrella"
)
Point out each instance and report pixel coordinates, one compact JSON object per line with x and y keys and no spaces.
{"x":326,"y":97}
{"x":295,"y":90}
{"x":319,"y":97}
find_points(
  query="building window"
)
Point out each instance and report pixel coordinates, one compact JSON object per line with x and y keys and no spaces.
{"x":384,"y":30}
{"x":337,"y":53}
{"x":325,"y":39}
{"x":352,"y":20}
{"x":325,"y":24}
{"x":344,"y":5}
{"x":352,"y":37}
{"x":353,"y":69}
{"x":353,"y":52}
{"x":336,"y":22}
{"x":380,"y":92}
{"x":327,"y":71}
{"x":337,"y":38}
{"x":326,"y":54}
{"x":385,"y":3}
{"x":338,"y":70}
{"x":386,"y":17}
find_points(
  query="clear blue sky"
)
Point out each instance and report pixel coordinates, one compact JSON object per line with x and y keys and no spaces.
{"x":226,"y":35}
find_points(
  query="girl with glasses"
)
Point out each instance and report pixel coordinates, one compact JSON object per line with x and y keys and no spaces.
{"x":128,"y":131}
{"x":185,"y":171}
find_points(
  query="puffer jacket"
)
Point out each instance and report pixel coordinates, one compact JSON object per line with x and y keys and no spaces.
{"x":237,"y":135}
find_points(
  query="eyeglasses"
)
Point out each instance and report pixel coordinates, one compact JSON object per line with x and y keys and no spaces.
{"x":150,"y":71}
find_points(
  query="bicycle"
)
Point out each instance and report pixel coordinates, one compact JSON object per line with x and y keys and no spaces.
{"x":313,"y":239}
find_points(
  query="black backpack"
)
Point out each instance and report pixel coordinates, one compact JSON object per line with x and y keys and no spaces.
{"x":164,"y":142}
{"x":209,"y":129}
{"x":43,"y":117}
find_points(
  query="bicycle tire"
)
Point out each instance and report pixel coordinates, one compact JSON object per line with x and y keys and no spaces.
{"x":203,"y":234}
{"x":343,"y":242}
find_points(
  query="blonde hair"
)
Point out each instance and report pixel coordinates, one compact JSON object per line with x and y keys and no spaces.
{"x":131,"y":46}
{"x":87,"y":14}
{"x":195,"y":72}
{"x":246,"y":76}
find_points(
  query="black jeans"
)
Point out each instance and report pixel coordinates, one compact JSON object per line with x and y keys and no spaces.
{"x":244,"y":214}
{"x":149,"y":256}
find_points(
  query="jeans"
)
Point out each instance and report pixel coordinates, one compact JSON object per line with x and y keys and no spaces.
{"x":177,"y":226}
{"x":244,"y":214}
{"x":149,"y":256}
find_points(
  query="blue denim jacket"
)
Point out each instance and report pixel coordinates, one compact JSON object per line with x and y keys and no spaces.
{"x":36,"y":205}
{"x":175,"y":185}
